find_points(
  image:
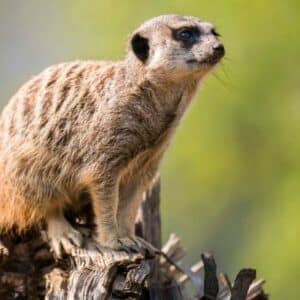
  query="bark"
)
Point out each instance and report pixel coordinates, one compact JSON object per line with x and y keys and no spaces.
{"x":28,"y":269}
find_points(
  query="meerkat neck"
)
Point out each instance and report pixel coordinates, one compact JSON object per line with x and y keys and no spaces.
{"x":168,"y":93}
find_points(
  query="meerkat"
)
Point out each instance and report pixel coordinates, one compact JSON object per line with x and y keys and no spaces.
{"x":100,"y":127}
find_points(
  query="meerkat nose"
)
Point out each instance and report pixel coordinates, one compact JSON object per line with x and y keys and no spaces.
{"x":219,"y":50}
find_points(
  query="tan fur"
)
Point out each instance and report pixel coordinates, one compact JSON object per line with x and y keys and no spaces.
{"x":97,"y":126}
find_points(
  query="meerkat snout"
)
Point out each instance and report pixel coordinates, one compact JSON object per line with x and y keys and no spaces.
{"x":219,"y":50}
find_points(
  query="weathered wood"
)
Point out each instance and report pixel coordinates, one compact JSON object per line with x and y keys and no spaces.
{"x":97,"y":273}
{"x":211,"y":285}
{"x":242,"y":283}
{"x":148,"y":224}
{"x":28,"y":269}
{"x":148,"y":227}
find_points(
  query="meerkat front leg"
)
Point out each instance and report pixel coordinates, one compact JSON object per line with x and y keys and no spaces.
{"x":129,"y":203}
{"x":131,"y":196}
{"x":63,"y":237}
{"x":105,"y":201}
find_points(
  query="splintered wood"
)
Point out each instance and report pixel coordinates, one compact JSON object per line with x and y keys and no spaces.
{"x":28,"y":269}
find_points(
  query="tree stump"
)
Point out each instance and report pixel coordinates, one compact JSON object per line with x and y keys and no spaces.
{"x":28,"y":269}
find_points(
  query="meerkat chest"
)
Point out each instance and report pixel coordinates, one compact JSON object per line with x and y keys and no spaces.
{"x":174,"y":119}
{"x":150,"y":157}
{"x":141,"y":169}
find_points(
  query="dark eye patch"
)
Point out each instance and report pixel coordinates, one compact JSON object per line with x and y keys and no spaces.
{"x":187,"y":35}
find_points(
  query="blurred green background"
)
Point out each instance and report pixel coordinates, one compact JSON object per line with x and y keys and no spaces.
{"x":230,"y":181}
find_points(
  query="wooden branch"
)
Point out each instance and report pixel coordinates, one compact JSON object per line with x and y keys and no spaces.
{"x":148,"y":224}
{"x":28,"y":269}
{"x":99,"y":272}
{"x":211,"y":285}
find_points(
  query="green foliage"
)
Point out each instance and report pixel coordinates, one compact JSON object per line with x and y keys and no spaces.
{"x":231,"y":178}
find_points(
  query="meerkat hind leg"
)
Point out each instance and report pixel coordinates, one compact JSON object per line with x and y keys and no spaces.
{"x":63,"y":237}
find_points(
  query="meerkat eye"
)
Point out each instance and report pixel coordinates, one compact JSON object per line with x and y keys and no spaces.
{"x":187,"y":35}
{"x":215,"y":33}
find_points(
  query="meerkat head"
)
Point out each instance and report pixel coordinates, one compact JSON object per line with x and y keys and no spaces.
{"x":176,"y":46}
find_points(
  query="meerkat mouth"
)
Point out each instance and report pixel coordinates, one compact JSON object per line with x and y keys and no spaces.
{"x":192,"y":61}
{"x":211,"y":61}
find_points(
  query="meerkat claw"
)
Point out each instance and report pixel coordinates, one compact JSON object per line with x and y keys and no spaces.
{"x":128,"y":245}
{"x":66,"y":243}
{"x":144,"y":246}
{"x":123,"y":244}
{"x":63,"y":237}
{"x":134,"y":245}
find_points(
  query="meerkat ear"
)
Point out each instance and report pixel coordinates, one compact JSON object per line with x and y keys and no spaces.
{"x":140,"y":47}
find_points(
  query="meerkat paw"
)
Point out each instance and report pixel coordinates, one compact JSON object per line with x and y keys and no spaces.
{"x":65,"y":242}
{"x":63,"y":238}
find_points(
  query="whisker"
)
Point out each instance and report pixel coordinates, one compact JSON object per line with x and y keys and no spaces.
{"x":220,"y":80}
{"x":227,"y":83}
{"x":227,"y":58}
{"x":225,"y":71}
